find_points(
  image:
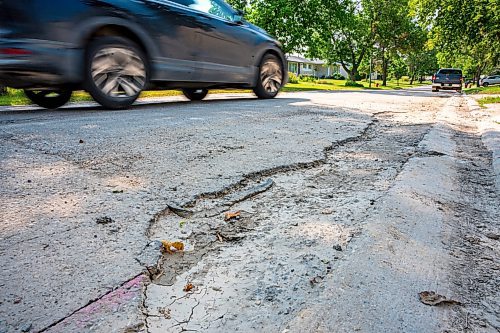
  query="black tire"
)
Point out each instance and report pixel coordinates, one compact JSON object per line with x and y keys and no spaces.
{"x":49,"y":99}
{"x":107,"y":80}
{"x":271,"y":76}
{"x":195,"y":94}
{"x":486,"y":84}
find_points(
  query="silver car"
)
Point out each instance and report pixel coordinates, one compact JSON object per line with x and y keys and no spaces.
{"x":490,"y":80}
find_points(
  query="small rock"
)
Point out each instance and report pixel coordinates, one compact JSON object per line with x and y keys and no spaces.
{"x":327,"y":212}
{"x":492,"y":235}
{"x":3,"y":326}
{"x":104,"y":220}
{"x":150,"y":254}
{"x":26,"y":327}
{"x":337,"y":247}
{"x":81,"y":141}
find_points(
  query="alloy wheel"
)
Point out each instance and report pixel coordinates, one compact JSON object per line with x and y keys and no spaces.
{"x":118,"y":72}
{"x":271,"y":75}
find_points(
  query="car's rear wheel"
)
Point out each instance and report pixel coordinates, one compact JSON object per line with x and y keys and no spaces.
{"x":270,"y":78}
{"x":486,"y":84}
{"x":49,"y":99}
{"x":195,"y":94}
{"x":116,"y":73}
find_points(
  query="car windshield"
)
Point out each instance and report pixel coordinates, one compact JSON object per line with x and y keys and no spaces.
{"x":450,"y":71}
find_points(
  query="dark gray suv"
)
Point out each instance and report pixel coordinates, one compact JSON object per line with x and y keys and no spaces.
{"x":114,"y":49}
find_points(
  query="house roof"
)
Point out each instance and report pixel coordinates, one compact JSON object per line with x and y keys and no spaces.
{"x":294,"y":58}
{"x":299,"y":59}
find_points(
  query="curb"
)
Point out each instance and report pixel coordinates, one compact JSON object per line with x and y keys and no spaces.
{"x":488,"y":126}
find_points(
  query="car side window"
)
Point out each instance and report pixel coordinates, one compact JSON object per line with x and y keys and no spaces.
{"x":212,"y":7}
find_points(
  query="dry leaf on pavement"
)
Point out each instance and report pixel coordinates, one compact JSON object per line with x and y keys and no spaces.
{"x":172,"y":247}
{"x":188,"y":287}
{"x":232,"y":215}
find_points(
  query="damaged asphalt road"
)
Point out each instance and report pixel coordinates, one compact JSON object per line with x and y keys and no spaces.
{"x":351,"y":203}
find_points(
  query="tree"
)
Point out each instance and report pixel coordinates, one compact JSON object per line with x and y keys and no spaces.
{"x":391,"y":25}
{"x":465,"y":33}
{"x":398,"y":67}
{"x":290,"y":21}
{"x":342,"y":34}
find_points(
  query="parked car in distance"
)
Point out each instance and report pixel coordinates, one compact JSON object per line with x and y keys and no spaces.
{"x":114,"y":49}
{"x":490,"y":80}
{"x":447,"y":79}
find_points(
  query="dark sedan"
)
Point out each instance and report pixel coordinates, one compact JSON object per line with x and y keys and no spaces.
{"x":114,"y":49}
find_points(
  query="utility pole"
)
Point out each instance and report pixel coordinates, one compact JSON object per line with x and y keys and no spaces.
{"x":371,"y":65}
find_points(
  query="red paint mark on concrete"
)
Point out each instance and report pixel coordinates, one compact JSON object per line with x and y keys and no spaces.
{"x":111,"y":303}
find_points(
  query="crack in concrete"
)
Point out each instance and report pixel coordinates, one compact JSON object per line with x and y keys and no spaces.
{"x":256,"y":177}
{"x":232,"y":189}
{"x":88,"y":304}
{"x":190,"y":315}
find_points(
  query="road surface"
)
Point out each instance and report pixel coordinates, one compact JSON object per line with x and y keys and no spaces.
{"x":351,"y":203}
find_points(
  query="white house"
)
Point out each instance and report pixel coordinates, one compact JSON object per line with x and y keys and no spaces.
{"x":313,"y":67}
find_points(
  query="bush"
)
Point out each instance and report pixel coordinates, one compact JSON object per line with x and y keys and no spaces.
{"x":338,"y":76}
{"x":307,"y":78}
{"x":292,"y":78}
{"x":353,"y":84}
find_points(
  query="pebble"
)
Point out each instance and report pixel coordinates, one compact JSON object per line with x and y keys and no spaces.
{"x":26,"y":327}
{"x":492,"y":235}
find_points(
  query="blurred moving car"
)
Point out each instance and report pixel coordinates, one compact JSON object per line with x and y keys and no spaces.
{"x":447,"y":79}
{"x":114,"y":49}
{"x":490,"y":80}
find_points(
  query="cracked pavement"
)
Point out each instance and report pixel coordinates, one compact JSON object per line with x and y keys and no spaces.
{"x":351,"y":203}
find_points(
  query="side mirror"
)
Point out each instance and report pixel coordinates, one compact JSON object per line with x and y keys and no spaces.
{"x":238,"y":16}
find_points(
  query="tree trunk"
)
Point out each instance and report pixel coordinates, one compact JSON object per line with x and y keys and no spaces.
{"x":3,"y":90}
{"x":412,"y":79}
{"x":385,"y":65}
{"x":478,"y":77}
{"x":351,"y":71}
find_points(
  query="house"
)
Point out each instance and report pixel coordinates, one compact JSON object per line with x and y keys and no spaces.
{"x":313,"y":67}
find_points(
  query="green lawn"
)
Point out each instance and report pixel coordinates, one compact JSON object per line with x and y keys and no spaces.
{"x":340,"y":85}
{"x":16,"y":97}
{"x":488,"y":100}
{"x":492,"y":90}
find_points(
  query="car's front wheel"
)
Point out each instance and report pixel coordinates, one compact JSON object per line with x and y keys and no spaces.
{"x":270,"y":78}
{"x":195,"y":94}
{"x":486,"y":84}
{"x":49,"y":99}
{"x":116,"y":72}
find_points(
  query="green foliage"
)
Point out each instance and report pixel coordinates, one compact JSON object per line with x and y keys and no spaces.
{"x":465,"y":34}
{"x":342,"y":34}
{"x":338,"y":76}
{"x":291,"y":21}
{"x":349,"y":83}
{"x":307,"y":78}
{"x":292,"y":78}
